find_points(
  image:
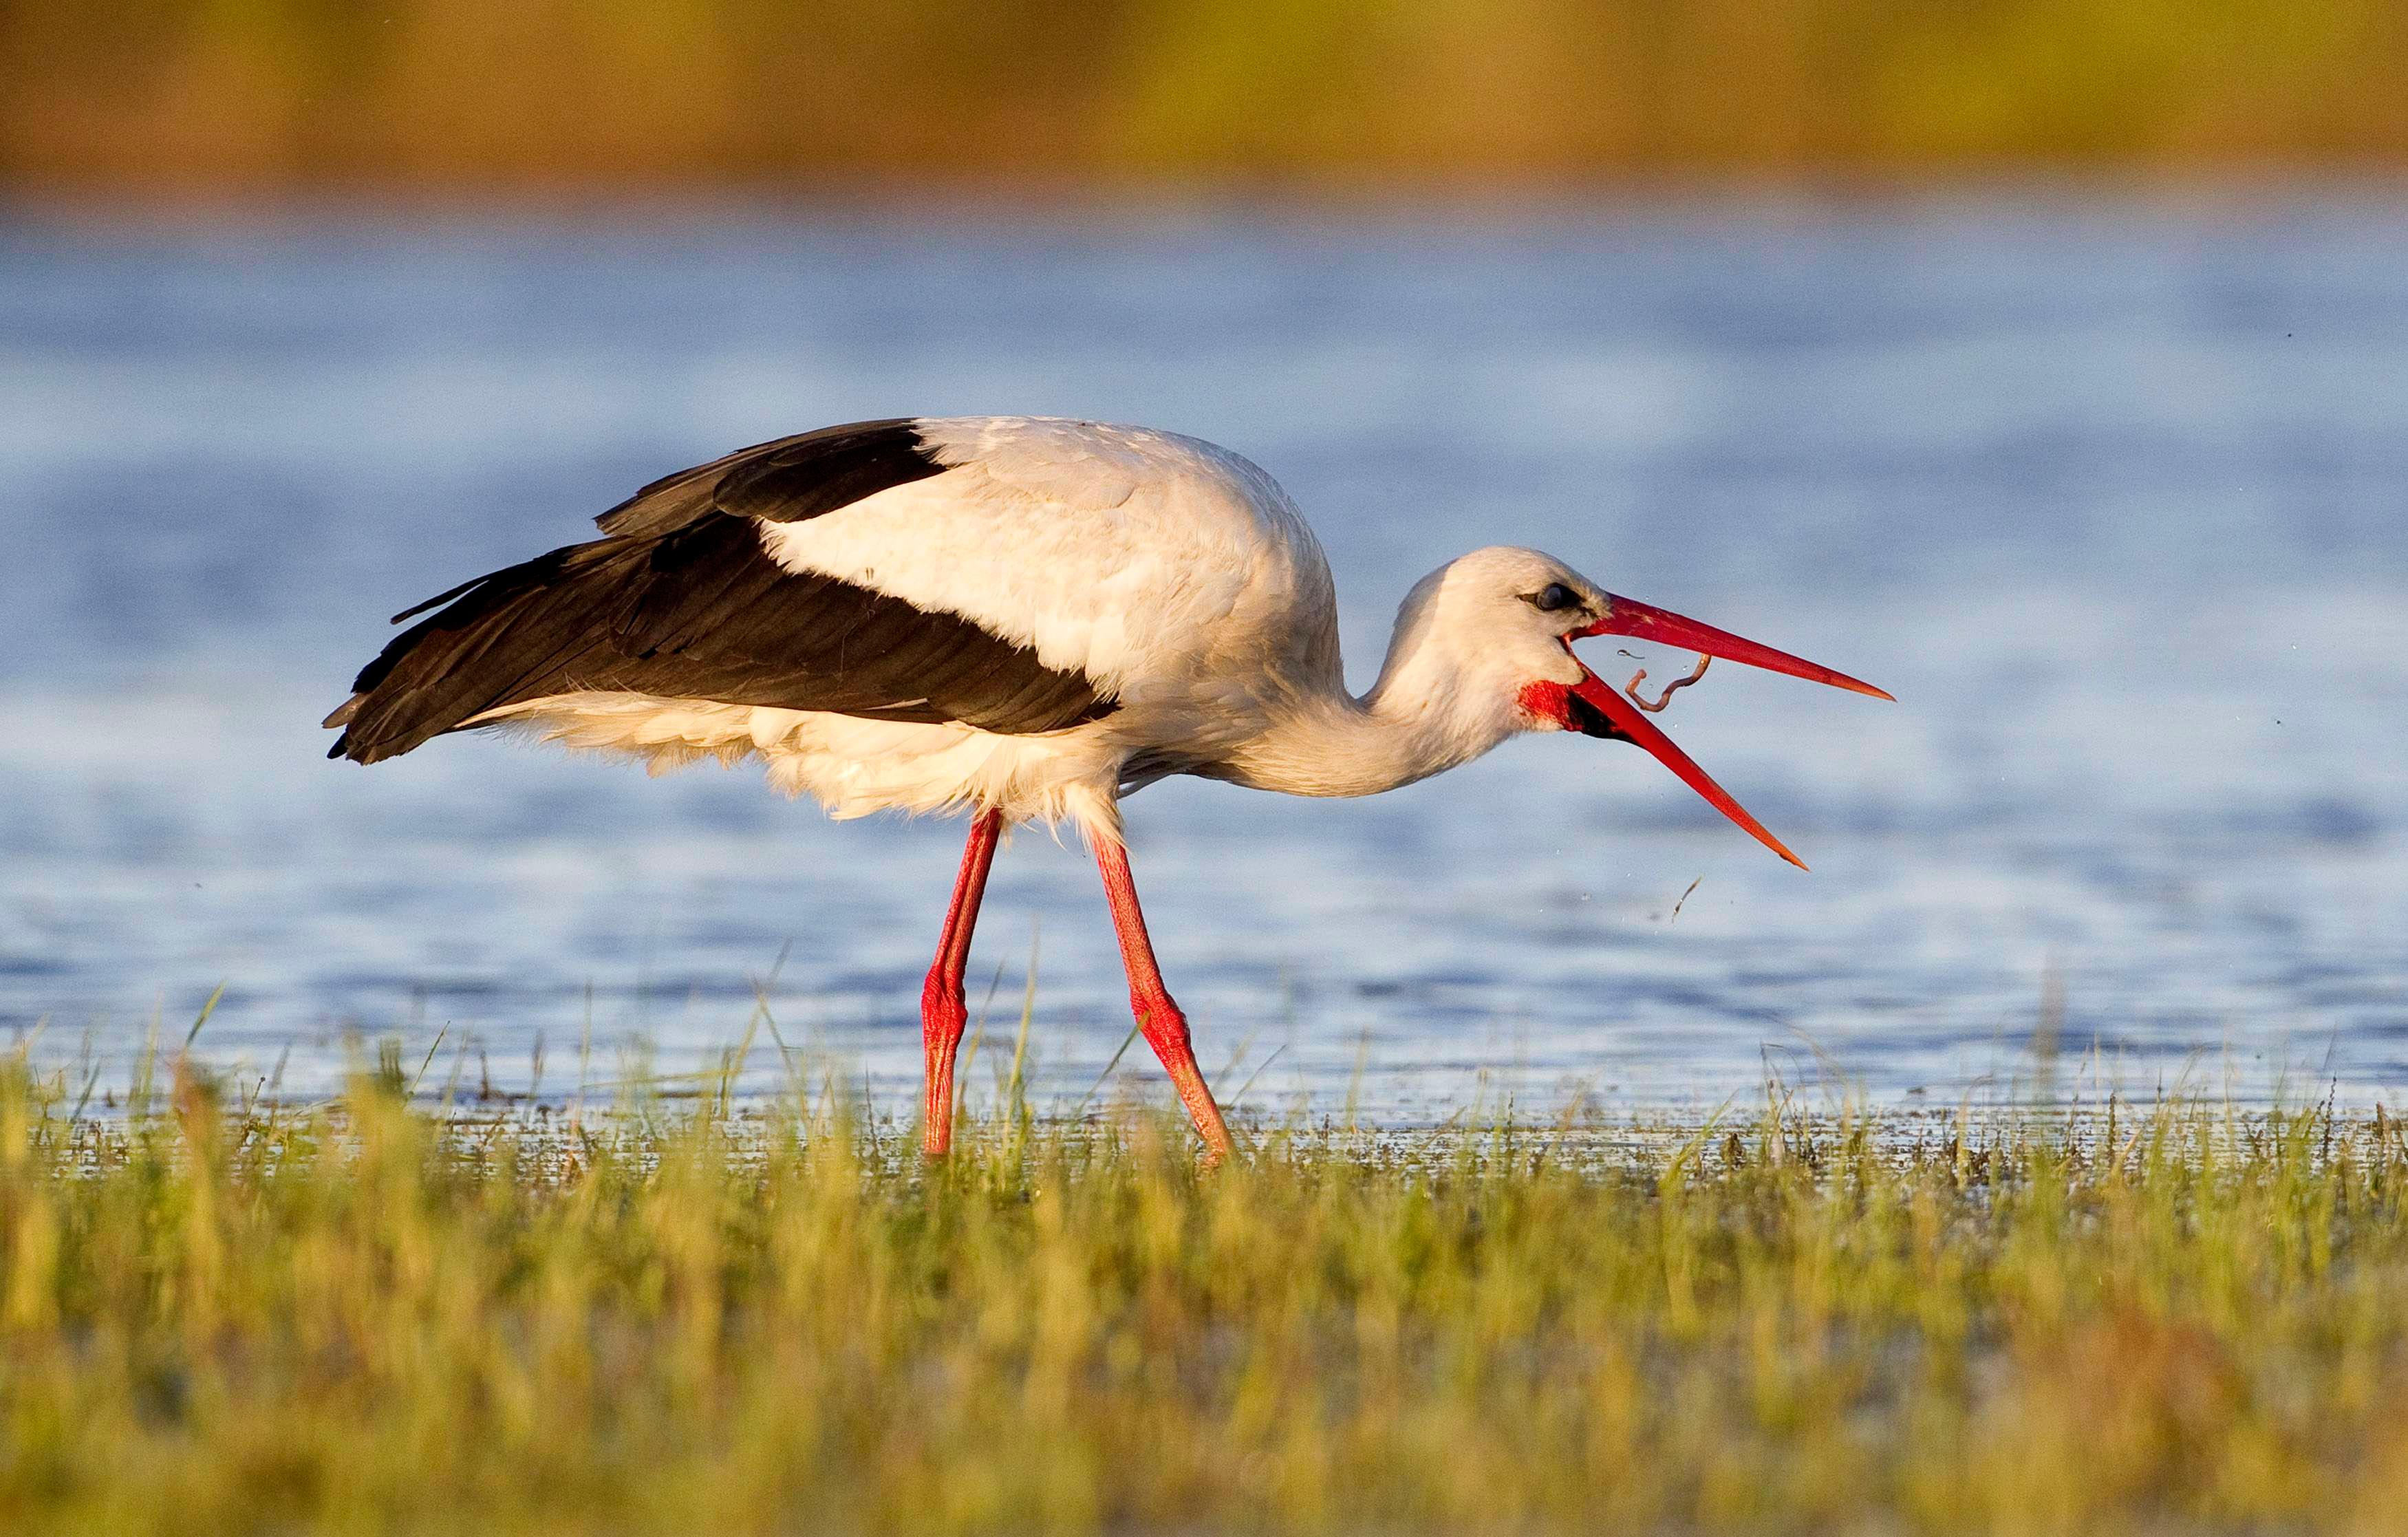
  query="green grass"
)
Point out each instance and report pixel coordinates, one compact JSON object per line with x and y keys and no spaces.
{"x":358,"y":1316}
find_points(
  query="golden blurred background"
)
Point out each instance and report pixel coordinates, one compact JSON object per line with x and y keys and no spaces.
{"x":234,"y":95}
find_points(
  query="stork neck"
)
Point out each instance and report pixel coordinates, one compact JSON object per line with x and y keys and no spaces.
{"x":1416,"y":721}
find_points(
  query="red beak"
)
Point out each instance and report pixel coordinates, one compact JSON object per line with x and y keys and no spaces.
{"x":1627,"y":616}
{"x":1609,"y":707}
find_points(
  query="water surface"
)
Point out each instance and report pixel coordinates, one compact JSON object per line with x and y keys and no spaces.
{"x":2112,"y":493}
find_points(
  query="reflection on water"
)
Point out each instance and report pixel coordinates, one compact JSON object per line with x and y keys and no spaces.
{"x":2112,"y":496}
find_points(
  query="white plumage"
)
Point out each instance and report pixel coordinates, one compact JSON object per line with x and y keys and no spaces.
{"x":1175,"y":574}
{"x":1113,"y":604}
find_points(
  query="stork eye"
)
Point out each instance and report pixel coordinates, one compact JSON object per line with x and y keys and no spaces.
{"x":1555,"y":595}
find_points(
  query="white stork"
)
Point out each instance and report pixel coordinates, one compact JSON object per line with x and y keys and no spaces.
{"x":1018,"y":619}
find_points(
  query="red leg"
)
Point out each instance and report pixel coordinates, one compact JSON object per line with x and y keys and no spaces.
{"x":943,"y":1010}
{"x":1165,"y":1026}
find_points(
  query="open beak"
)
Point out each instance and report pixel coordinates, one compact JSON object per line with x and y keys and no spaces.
{"x":1611,"y":713}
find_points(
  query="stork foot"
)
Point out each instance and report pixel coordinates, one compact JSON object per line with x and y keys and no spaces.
{"x":1164,"y":1025}
{"x":943,"y":1012}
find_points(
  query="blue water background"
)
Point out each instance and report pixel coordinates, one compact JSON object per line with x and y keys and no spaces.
{"x":2111,"y":490}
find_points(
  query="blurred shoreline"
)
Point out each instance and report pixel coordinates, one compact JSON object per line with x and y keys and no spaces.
{"x":166,"y":96}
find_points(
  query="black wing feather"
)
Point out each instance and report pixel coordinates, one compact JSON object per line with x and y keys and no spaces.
{"x":784,"y":481}
{"x":683,"y":601}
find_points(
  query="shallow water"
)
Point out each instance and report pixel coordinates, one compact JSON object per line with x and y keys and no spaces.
{"x":2110,"y":493}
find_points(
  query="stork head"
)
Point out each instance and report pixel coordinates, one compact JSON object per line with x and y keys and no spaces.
{"x":1499,"y":624}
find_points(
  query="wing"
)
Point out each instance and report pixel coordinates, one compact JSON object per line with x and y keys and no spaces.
{"x":682,"y":600}
{"x":1162,"y":566}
